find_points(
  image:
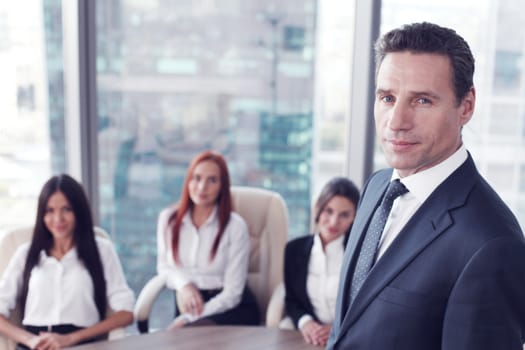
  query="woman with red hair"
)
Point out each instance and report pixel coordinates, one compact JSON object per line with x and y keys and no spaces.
{"x":203,"y":248}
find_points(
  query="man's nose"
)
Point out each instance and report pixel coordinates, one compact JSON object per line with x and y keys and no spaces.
{"x":401,"y":116}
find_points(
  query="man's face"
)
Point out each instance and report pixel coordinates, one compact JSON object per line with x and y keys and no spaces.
{"x":418,"y":122}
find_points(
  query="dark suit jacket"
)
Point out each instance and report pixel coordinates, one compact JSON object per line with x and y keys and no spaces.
{"x":453,"y":279}
{"x":296,"y":260}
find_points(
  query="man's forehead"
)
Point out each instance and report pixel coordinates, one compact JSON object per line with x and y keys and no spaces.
{"x":418,"y":69}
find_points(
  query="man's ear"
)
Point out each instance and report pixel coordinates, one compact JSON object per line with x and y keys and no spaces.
{"x":466,"y":107}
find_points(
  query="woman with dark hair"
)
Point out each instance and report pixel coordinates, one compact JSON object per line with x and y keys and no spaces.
{"x":312,"y":263}
{"x":65,"y":278}
{"x":203,"y":249}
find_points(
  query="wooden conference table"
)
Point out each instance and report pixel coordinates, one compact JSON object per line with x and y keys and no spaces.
{"x":212,"y":337}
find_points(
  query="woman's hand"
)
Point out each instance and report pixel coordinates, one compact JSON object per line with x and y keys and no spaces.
{"x":177,"y":323}
{"x":33,"y":342}
{"x":191,"y":300}
{"x":315,"y":333}
{"x":50,"y":341}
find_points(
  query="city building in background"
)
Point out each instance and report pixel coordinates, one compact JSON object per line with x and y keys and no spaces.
{"x":31,"y":112}
{"x":333,"y":71}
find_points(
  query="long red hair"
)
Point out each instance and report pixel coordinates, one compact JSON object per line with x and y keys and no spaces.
{"x":224,"y":202}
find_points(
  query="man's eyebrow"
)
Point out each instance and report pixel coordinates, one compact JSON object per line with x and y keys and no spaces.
{"x":425,"y":94}
{"x":383,"y":91}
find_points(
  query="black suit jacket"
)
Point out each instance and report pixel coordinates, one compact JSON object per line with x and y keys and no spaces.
{"x":296,"y":260}
{"x":453,"y":279}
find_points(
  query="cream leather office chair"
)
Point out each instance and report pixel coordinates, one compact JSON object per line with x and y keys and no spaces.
{"x":9,"y":242}
{"x":266,"y":214}
{"x":276,"y":313}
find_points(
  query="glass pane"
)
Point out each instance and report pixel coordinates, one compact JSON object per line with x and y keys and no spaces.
{"x":335,"y":27}
{"x":178,"y":77}
{"x":32,"y":108}
{"x":494,"y":31}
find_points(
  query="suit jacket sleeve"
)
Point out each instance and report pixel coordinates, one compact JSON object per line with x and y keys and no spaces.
{"x":296,"y":299}
{"x":486,"y":308}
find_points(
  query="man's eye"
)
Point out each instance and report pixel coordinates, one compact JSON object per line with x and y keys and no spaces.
{"x":387,"y":99}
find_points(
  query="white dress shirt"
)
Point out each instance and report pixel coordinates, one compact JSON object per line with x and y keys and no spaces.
{"x":61,"y":291}
{"x":322,"y":280}
{"x":420,"y":186}
{"x":228,"y":270}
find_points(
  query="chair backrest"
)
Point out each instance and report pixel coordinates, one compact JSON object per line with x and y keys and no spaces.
{"x":9,"y":242}
{"x":266,"y":215}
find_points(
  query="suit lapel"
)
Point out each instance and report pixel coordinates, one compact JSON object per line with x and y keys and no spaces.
{"x":374,"y":191}
{"x":430,"y":221}
{"x":302,"y":261}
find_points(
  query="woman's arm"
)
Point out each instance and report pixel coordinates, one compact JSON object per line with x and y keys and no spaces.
{"x":294,"y":302}
{"x":116,"y":320}
{"x":10,"y":284}
{"x":18,"y":334}
{"x":175,"y":277}
{"x":236,"y":269}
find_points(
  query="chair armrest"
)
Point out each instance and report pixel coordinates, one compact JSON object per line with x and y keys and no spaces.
{"x":145,"y":300}
{"x":275,"y":310}
{"x":117,"y":333}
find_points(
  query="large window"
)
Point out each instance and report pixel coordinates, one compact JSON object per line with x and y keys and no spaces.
{"x":334,"y":33}
{"x":178,"y":77}
{"x":32,"y":109}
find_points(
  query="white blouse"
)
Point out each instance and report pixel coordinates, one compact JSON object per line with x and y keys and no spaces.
{"x":61,"y":291}
{"x":322,"y":281}
{"x":228,"y":270}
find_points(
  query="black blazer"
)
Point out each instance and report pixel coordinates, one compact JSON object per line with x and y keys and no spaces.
{"x":296,"y":260}
{"x":453,"y":279}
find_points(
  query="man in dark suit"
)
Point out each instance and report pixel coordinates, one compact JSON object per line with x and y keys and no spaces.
{"x":448,"y":267}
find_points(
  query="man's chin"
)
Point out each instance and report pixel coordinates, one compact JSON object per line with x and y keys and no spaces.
{"x":401,"y":163}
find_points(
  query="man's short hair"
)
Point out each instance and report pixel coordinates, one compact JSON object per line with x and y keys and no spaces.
{"x":430,"y":38}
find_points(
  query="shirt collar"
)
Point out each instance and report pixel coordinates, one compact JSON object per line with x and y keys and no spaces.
{"x":211,"y":219}
{"x":331,"y":248}
{"x":423,"y":183}
{"x":71,"y":254}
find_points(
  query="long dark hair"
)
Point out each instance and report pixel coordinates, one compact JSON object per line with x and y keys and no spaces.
{"x":224,"y":202}
{"x":83,"y":237}
{"x":338,"y":186}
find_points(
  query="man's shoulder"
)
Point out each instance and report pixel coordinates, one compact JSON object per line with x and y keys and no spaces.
{"x":491,"y":211}
{"x":379,"y":177}
{"x":475,"y":205}
{"x":376,"y":180}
